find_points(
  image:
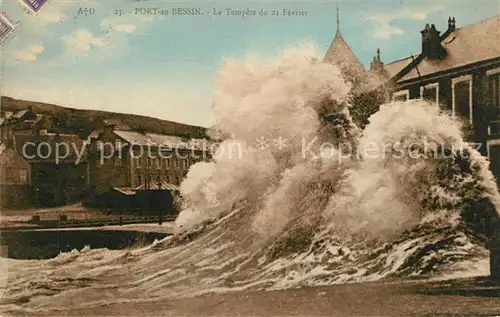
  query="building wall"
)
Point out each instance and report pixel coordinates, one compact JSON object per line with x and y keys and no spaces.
{"x":480,"y":93}
{"x":15,"y":180}
{"x":167,"y":167}
{"x":104,"y":172}
{"x":16,"y":196}
{"x":14,"y":169}
{"x":485,"y":105}
{"x":129,"y":169}
{"x":58,"y":184}
{"x":24,"y":183}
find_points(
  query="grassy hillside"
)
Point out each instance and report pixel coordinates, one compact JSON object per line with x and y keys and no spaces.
{"x":82,"y":122}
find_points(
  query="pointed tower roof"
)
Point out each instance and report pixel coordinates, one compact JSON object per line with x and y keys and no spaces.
{"x":340,"y":53}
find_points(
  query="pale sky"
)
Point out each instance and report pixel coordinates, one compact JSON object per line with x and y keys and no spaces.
{"x":163,"y":66}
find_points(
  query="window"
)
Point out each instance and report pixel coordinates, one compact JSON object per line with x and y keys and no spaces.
{"x":402,"y":95}
{"x":11,"y":175}
{"x":494,"y":128}
{"x":493,"y":148}
{"x":118,"y":161}
{"x":139,"y":162}
{"x":177,"y":180}
{"x":23,"y":176}
{"x":494,"y":87}
{"x":184,"y":164}
{"x":138,"y":180}
{"x":430,"y":92}
{"x":176,"y":163}
{"x":462,"y":97}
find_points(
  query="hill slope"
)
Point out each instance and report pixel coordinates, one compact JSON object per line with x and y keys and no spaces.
{"x":82,"y":122}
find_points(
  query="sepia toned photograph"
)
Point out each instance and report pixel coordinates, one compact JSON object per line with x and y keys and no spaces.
{"x":250,"y":158}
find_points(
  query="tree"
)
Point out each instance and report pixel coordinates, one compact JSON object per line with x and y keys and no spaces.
{"x":364,"y":104}
{"x":368,"y":92}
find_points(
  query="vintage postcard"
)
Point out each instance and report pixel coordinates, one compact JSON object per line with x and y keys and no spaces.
{"x":249,"y":158}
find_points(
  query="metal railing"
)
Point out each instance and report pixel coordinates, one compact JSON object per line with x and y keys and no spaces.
{"x":63,"y":222}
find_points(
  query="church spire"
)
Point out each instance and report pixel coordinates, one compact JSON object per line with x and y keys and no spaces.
{"x":340,"y":53}
{"x":338,"y":19}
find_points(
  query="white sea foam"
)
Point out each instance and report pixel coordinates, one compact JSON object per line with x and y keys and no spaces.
{"x":270,"y":217}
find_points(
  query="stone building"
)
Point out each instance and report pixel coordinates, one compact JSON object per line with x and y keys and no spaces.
{"x":15,"y":179}
{"x":459,"y":70}
{"x":23,"y":121}
{"x":31,"y":166}
{"x":126,"y":159}
{"x":58,"y":164}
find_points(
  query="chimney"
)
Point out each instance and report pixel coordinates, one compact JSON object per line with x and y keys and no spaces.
{"x":57,"y":137}
{"x":451,"y":24}
{"x":451,"y":28}
{"x":108,"y":127}
{"x":431,"y":43}
{"x":376,"y":65}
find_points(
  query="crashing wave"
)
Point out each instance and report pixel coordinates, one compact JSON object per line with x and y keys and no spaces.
{"x":297,"y":194}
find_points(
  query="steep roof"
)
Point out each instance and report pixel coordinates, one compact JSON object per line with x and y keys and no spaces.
{"x":391,"y":69}
{"x":466,"y":45}
{"x":28,"y":124}
{"x":340,"y":53}
{"x":167,"y":141}
{"x":20,"y":114}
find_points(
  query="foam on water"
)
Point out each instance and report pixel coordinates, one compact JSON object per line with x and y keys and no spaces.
{"x":405,"y":196}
